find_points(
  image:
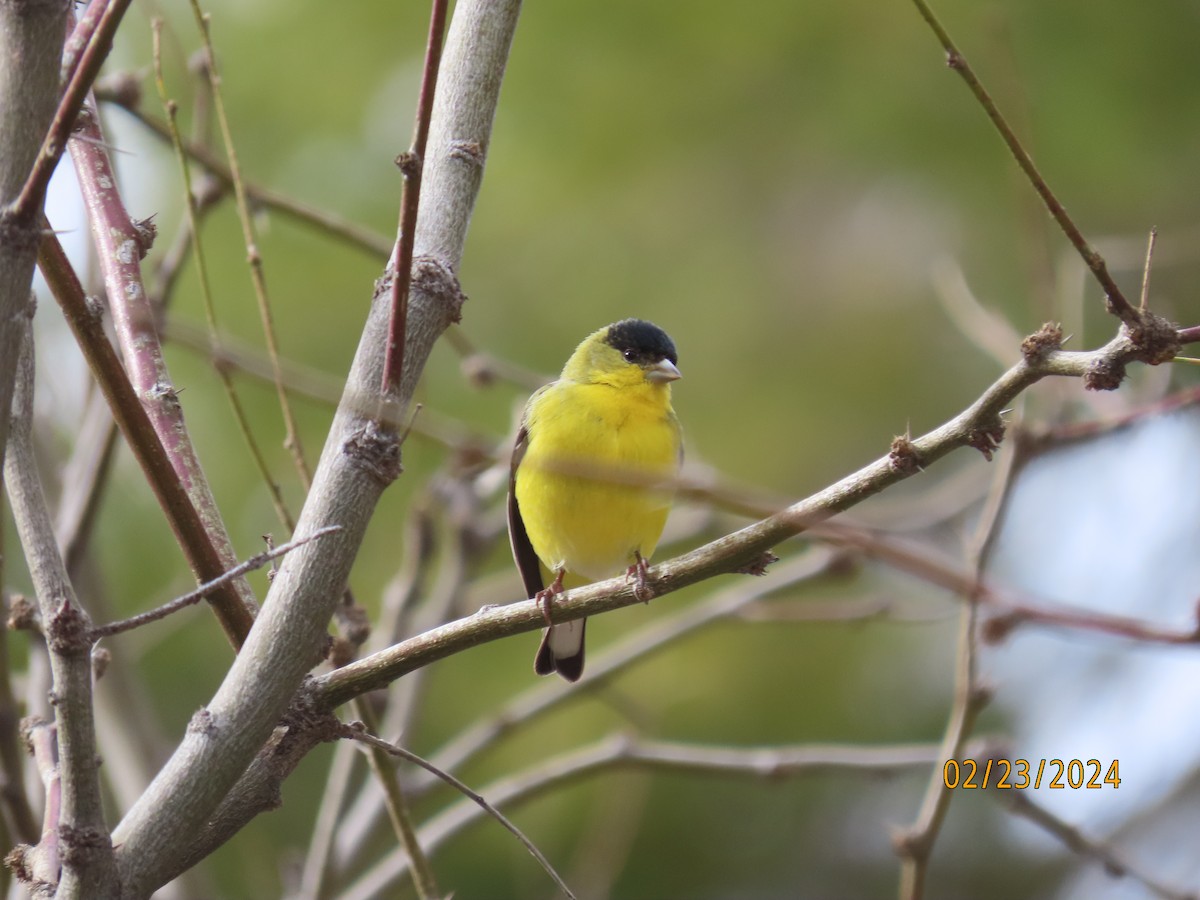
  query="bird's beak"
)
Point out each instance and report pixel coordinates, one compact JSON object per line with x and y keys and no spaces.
{"x":663,"y":372}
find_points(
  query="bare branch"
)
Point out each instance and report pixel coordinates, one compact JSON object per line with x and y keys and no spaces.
{"x":411,"y":164}
{"x":359,"y":460}
{"x":254,"y":258}
{"x":255,"y":562}
{"x":478,"y":799}
{"x":31,"y":41}
{"x":978,"y":426}
{"x":84,"y":846}
{"x":1093,"y":260}
{"x":622,"y":751}
{"x":325,"y":221}
{"x":121,"y":245}
{"x":139,"y":432}
{"x":94,"y":36}
{"x":915,"y":845}
{"x":1082,"y":845}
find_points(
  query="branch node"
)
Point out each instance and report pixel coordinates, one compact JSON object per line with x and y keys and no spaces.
{"x":375,"y":451}
{"x":758,"y":565}
{"x":1157,"y":339}
{"x":23,"y":614}
{"x":69,"y":633}
{"x":29,"y":725}
{"x":1042,"y":342}
{"x":981,"y":696}
{"x":82,"y":847}
{"x":438,"y":280}
{"x":200,"y":63}
{"x":987,"y":439}
{"x":121,"y":88}
{"x":1104,"y":374}
{"x":203,"y":722}
{"x":95,"y":307}
{"x":997,"y":629}
{"x":467,"y":151}
{"x":907,"y":844}
{"x":101,"y":657}
{"x":17,"y":861}
{"x":164,"y":392}
{"x":903,"y":456}
{"x":145,"y":231}
{"x":409,"y":164}
{"x":21,"y":233}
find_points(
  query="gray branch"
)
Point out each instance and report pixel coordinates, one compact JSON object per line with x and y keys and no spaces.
{"x":359,"y":460}
{"x":31,"y":42}
{"x":82,"y":834}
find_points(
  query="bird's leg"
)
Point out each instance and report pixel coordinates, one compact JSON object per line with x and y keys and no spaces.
{"x":545,"y":597}
{"x":638,"y":573}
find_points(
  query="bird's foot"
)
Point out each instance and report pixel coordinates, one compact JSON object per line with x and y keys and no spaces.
{"x":641,"y":588}
{"x":545,"y":597}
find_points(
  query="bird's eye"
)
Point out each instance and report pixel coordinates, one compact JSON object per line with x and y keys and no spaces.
{"x":628,"y":354}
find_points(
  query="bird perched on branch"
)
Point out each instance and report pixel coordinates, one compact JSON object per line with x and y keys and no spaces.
{"x":592,"y":475}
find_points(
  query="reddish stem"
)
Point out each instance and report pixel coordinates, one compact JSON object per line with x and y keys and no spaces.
{"x":411,"y":165}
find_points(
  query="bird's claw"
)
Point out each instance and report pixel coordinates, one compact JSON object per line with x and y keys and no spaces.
{"x":638,"y":572}
{"x":545,"y":598}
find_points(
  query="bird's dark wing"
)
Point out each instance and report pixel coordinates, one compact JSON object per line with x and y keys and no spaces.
{"x":527,"y":560}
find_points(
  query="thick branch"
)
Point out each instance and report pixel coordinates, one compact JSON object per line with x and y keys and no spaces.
{"x":359,"y":460}
{"x":87,"y":855}
{"x":31,"y":41}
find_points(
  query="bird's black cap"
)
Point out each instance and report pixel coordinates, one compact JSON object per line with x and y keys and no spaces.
{"x":641,"y":342}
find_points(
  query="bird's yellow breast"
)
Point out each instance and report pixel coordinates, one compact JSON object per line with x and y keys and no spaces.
{"x":593,"y":486}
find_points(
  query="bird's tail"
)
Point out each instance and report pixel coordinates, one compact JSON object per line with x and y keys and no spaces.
{"x":561,"y":650}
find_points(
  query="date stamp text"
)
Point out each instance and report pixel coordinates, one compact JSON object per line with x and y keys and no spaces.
{"x":1019,"y":774}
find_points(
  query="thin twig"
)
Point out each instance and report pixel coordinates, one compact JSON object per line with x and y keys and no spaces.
{"x":916,"y":844}
{"x":42,"y":861}
{"x":435,"y":573}
{"x":1093,"y":260}
{"x":321,"y":387}
{"x":483,"y":369}
{"x":258,"y":278}
{"x":412,"y":164}
{"x":1146,"y":269}
{"x":1008,"y":610}
{"x":324,"y":220}
{"x":182,"y":602}
{"x":1043,"y":439}
{"x":769,"y":764}
{"x":540,"y":699}
{"x":18,"y":813}
{"x":378,"y":752}
{"x":1080,"y":844}
{"x":84,"y":477}
{"x":371,"y":740}
{"x":192,"y":226}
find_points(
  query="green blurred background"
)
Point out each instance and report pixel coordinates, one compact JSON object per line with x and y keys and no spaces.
{"x":770,"y":183}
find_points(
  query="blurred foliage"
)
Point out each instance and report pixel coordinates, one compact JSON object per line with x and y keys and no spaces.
{"x":771,"y":185}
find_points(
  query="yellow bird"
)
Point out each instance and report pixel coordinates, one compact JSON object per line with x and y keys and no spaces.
{"x":592,"y":473}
